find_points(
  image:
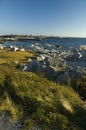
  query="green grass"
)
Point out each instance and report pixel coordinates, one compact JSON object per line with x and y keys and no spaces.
{"x":1,"y":42}
{"x":9,"y":57}
{"x":37,"y":101}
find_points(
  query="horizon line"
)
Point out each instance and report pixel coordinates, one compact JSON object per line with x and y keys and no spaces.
{"x":46,"y":35}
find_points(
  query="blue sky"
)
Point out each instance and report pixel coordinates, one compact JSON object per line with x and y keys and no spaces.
{"x":43,"y":17}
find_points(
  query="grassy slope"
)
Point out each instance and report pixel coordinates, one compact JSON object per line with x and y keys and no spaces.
{"x":40,"y":102}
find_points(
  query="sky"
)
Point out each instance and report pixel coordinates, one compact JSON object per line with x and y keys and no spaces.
{"x":43,"y":17}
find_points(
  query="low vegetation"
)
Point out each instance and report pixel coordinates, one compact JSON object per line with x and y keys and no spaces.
{"x":35,"y":101}
{"x":9,"y":57}
{"x":1,"y":42}
{"x":78,"y":84}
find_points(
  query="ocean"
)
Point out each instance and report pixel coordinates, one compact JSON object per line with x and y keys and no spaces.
{"x":67,"y":43}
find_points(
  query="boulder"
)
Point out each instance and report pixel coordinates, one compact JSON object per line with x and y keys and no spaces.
{"x":55,"y":62}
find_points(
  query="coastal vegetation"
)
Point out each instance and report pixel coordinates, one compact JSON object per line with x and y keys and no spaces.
{"x":10,"y":57}
{"x":1,"y":42}
{"x":79,"y":85}
{"x":37,"y":102}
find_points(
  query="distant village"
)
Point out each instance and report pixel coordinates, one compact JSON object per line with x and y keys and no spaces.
{"x":20,"y":37}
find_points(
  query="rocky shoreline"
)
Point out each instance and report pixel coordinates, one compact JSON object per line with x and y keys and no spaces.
{"x":53,"y":60}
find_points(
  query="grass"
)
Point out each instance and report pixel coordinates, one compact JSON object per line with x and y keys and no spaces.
{"x":9,"y":57}
{"x":36,"y":101}
{"x":39,"y":101}
{"x":1,"y":42}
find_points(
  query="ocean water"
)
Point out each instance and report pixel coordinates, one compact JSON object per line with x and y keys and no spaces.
{"x":65,"y":42}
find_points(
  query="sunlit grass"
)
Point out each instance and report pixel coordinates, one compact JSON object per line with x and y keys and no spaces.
{"x":7,"y":56}
{"x":36,"y":100}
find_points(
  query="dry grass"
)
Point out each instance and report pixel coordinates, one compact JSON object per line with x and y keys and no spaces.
{"x":7,"y":56}
{"x":39,"y":101}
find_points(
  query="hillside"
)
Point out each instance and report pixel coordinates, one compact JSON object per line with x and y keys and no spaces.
{"x":34,"y":102}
